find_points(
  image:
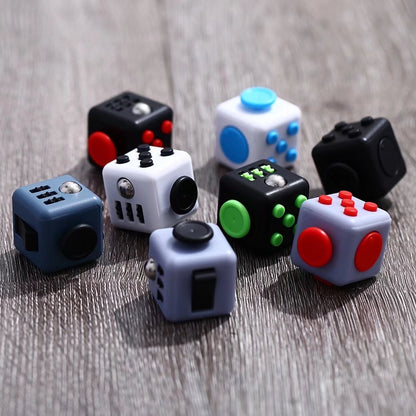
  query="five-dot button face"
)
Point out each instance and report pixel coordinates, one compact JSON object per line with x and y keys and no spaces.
{"x":314,"y":247}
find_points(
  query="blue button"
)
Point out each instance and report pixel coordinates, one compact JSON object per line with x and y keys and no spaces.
{"x":291,"y":155}
{"x":233,"y":144}
{"x":281,"y":146}
{"x":292,"y":128}
{"x":272,"y":159}
{"x":272,"y":137}
{"x":258,"y":98}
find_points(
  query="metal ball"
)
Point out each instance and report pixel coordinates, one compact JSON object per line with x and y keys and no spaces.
{"x":150,"y":268}
{"x":141,"y":109}
{"x":125,"y":188}
{"x":70,"y":187}
{"x":276,"y":181}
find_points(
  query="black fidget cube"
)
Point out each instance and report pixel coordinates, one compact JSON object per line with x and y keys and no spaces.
{"x":121,"y":123}
{"x":362,"y":157}
{"x":258,"y":205}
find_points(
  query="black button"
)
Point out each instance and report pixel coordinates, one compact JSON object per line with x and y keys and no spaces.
{"x":143,"y":148}
{"x":145,"y":163}
{"x":328,"y":137}
{"x":347,"y":128}
{"x":389,"y":155}
{"x":366,"y":120}
{"x":203,"y":289}
{"x":340,"y":176}
{"x":183,"y":195}
{"x":145,"y":155}
{"x":340,"y":125}
{"x":354,"y":133}
{"x":79,"y":242}
{"x":194,"y":232}
{"x":166,"y":151}
{"x":122,"y":159}
{"x":28,"y":234}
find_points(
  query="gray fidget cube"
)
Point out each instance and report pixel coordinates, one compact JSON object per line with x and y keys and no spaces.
{"x":194,"y":271}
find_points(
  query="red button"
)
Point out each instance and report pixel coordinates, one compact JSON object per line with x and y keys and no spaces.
{"x":314,"y":247}
{"x":347,"y":203}
{"x":166,"y":127}
{"x":345,"y":195}
{"x":368,"y":251}
{"x":370,"y":206}
{"x":101,"y":148}
{"x":325,"y":199}
{"x":157,"y":143}
{"x":147,"y":136}
{"x":351,"y":212}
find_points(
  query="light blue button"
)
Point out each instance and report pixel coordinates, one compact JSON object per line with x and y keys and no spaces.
{"x":272,"y":159}
{"x":233,"y":144}
{"x":281,"y":146}
{"x":291,"y":155}
{"x":258,"y":98}
{"x":272,"y":137}
{"x":292,"y":128}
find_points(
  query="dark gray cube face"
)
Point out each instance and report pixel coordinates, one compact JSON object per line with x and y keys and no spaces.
{"x":117,"y":118}
{"x":267,"y":231}
{"x":362,"y":157}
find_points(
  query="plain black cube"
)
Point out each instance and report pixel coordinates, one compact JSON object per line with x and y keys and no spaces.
{"x":258,"y":205}
{"x":125,"y":121}
{"x":362,"y":157}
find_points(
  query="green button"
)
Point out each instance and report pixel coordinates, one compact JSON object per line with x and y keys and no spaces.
{"x":278,"y":211}
{"x":276,"y":239}
{"x":267,"y":168}
{"x":300,"y":199}
{"x":234,"y":218}
{"x":248,"y":176}
{"x":289,"y":220}
{"x":257,"y":172}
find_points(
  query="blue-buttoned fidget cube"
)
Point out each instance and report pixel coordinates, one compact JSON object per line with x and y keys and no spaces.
{"x":257,"y":125}
{"x":340,"y":239}
{"x":192,"y":271}
{"x":58,"y":223}
{"x":258,"y":205}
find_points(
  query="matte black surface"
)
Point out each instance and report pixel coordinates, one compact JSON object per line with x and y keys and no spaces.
{"x":79,"y":242}
{"x":28,"y":234}
{"x":183,"y":195}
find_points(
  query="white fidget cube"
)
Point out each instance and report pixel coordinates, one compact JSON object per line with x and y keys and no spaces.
{"x":257,"y":125}
{"x":150,"y":188}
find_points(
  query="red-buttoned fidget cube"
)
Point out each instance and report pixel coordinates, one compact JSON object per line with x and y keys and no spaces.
{"x":121,"y":123}
{"x":340,"y":239}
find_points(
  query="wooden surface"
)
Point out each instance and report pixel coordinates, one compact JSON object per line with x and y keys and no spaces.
{"x":91,"y":340}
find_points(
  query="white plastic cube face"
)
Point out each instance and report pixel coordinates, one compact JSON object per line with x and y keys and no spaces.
{"x":271,"y":134}
{"x":139,"y":198}
{"x":343,"y":241}
{"x":179,"y":266}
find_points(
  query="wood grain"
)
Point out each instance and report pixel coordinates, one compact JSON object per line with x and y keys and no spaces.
{"x":91,"y":340}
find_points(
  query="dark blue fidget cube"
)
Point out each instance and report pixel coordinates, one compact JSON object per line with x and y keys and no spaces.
{"x":58,"y":223}
{"x":192,"y":271}
{"x":259,"y":203}
{"x":121,"y":123}
{"x":362,"y":157}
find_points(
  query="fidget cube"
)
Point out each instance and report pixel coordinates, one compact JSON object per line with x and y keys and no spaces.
{"x":363,"y":157}
{"x":340,"y":239}
{"x":259,"y":203}
{"x":150,"y":188}
{"x":121,"y":123}
{"x":58,"y":223}
{"x":257,"y":125}
{"x":192,"y":271}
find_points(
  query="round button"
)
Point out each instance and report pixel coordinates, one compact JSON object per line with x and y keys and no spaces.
{"x":291,"y":155}
{"x":347,"y":203}
{"x":122,"y":159}
{"x":143,"y":148}
{"x":233,"y":144}
{"x":325,"y":200}
{"x":234,"y":219}
{"x":293,"y":128}
{"x":258,"y":98}
{"x":183,"y":195}
{"x":146,"y":163}
{"x":370,"y":206}
{"x":340,"y":125}
{"x":79,"y":242}
{"x":193,"y":232}
{"x":145,"y":155}
{"x":272,"y":137}
{"x":366,"y":121}
{"x":166,"y":127}
{"x":354,"y":133}
{"x":281,"y":146}
{"x":344,"y":195}
{"x":166,"y":151}
{"x":314,"y":247}
{"x":125,"y":188}
{"x":101,"y":148}
{"x":157,"y":143}
{"x":147,"y":136}
{"x":276,"y":239}
{"x":368,"y":251}
{"x":389,"y":156}
{"x":328,"y":137}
